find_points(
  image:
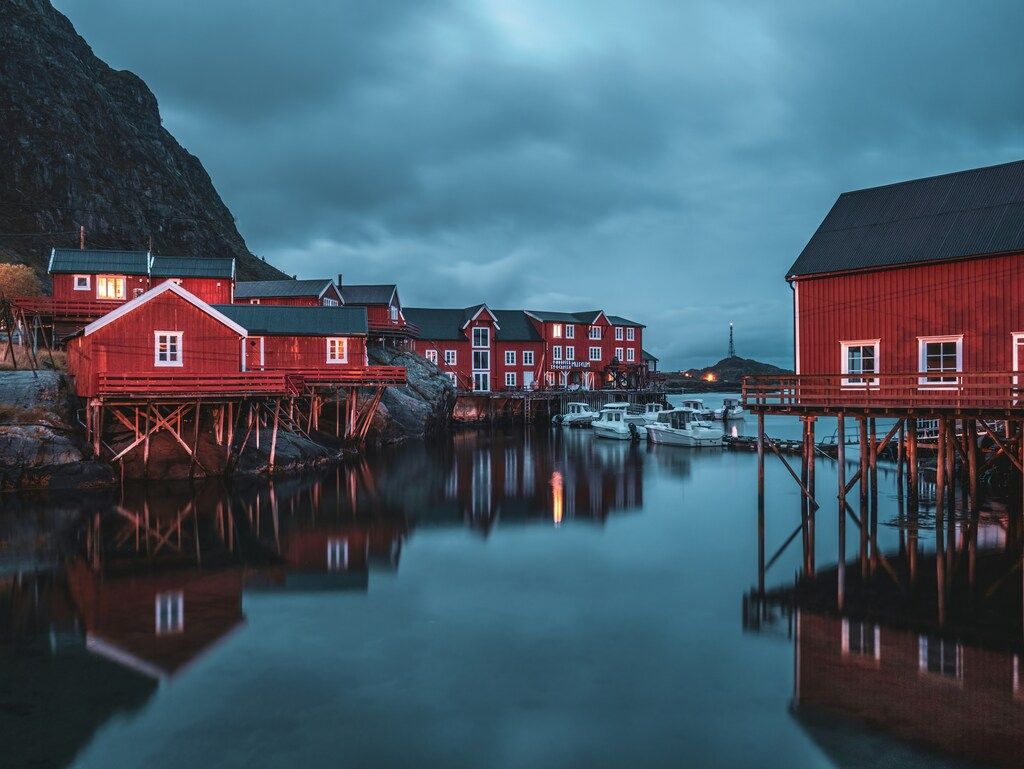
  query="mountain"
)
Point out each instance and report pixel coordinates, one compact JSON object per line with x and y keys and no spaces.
{"x":732,"y":370}
{"x":83,"y":144}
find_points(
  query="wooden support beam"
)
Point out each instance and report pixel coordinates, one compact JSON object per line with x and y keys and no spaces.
{"x":760,"y":505}
{"x":841,"y":472}
{"x":273,"y":437}
{"x":803,"y":489}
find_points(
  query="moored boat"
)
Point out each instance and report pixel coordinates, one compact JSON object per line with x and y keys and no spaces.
{"x":698,"y":407}
{"x":619,"y":424}
{"x":731,"y":409}
{"x":651,"y":411}
{"x":681,"y":427}
{"x":576,"y":415}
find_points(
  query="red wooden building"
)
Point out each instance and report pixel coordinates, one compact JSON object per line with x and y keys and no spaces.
{"x":591,"y":350}
{"x":94,"y":276}
{"x":383,"y":308}
{"x":212,"y":279}
{"x":911,"y":295}
{"x":307,"y":293}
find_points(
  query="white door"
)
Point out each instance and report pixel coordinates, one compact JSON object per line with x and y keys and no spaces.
{"x":527,"y":380}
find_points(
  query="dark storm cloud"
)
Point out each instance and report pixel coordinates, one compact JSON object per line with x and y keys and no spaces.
{"x":664,"y":160}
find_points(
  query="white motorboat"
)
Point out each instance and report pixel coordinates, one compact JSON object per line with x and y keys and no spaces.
{"x":651,"y":411}
{"x":701,"y":411}
{"x":681,"y":427}
{"x":576,"y":415}
{"x":618,"y":423}
{"x":731,"y":409}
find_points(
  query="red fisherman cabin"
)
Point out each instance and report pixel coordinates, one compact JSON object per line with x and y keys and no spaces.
{"x":305,"y":293}
{"x":212,"y":279}
{"x":383,"y":308}
{"x":910,"y":295}
{"x":93,"y":276}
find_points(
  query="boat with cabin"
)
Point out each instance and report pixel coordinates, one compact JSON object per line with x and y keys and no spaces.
{"x":576,"y":415}
{"x":651,"y":411}
{"x":732,"y":408}
{"x":619,"y":423}
{"x":702,"y":411}
{"x":682,"y":427}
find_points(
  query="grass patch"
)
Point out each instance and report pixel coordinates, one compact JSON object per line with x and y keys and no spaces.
{"x":24,"y":359}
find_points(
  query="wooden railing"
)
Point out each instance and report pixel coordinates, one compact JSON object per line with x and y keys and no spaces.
{"x":72,"y":309}
{"x":397,"y":327}
{"x":351,"y":376}
{"x":983,"y":390}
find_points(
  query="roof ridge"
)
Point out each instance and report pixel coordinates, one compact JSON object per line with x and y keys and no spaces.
{"x":932,"y":177}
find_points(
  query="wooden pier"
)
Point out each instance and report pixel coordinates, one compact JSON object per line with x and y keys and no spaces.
{"x":530,"y":406}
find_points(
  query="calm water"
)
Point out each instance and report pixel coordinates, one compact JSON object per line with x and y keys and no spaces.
{"x":489,"y":600}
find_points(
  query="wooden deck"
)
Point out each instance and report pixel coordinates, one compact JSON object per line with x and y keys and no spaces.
{"x":84,"y":311}
{"x":994,"y":394}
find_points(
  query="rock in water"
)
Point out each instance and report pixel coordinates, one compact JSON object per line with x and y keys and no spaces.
{"x":81,"y":143}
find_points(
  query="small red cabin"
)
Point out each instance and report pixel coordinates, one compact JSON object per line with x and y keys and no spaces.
{"x":212,"y":279}
{"x":98,"y":276}
{"x":910,"y":293}
{"x":303,"y":293}
{"x":165,"y":330}
{"x":383,"y":308}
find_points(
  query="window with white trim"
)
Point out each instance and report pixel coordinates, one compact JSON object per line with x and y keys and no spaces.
{"x":510,"y":357}
{"x":449,"y":357}
{"x":394,"y":314}
{"x":431,"y":355}
{"x":481,"y":336}
{"x":110,"y":287}
{"x":337,"y":554}
{"x":570,"y":353}
{"x":861,"y":639}
{"x":595,"y":332}
{"x":940,"y":358}
{"x":618,"y":354}
{"x":481,"y":360}
{"x":595,"y":353}
{"x":570,"y":331}
{"x":556,"y":330}
{"x":167,"y":348}
{"x":630,"y":354}
{"x":940,"y":657}
{"x":169,"y":610}
{"x":859,"y":362}
{"x":618,"y":333}
{"x":527,"y":357}
{"x":556,"y":352}
{"x":481,"y":381}
{"x":630,"y":334}
{"x":328,"y":302}
{"x":510,"y":379}
{"x":337,"y":349}
{"x":82,"y":283}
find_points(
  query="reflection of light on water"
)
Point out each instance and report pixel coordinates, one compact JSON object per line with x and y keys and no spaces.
{"x":735,"y":431}
{"x":556,"y":495}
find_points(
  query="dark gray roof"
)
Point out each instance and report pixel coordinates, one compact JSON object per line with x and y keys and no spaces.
{"x":588,"y":316}
{"x":95,"y":261}
{"x":255,"y":289}
{"x":368,"y":293}
{"x":516,"y":327}
{"x":286,"y":320}
{"x":437,"y":323}
{"x":953,"y":216}
{"x":648,"y":356}
{"x":192,"y":267}
{"x":618,"y":320}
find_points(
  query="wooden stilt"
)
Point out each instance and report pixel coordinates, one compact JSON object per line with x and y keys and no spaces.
{"x":862,"y":425}
{"x":760,"y":504}
{"x":940,"y":501}
{"x":273,"y":437}
{"x":812,"y":511}
{"x":841,"y":471}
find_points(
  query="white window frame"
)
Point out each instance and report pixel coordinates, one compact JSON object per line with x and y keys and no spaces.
{"x":876,"y":656}
{"x":168,"y":620}
{"x":620,"y":356}
{"x":483,"y":375}
{"x":510,"y":357}
{"x":105,"y":281}
{"x":859,"y":380}
{"x":556,"y":330}
{"x":485,"y":333}
{"x":570,"y":352}
{"x":480,"y":352}
{"x":328,"y":302}
{"x":431,"y":355}
{"x":618,"y":333}
{"x":630,"y":354}
{"x":451,"y":357}
{"x":556,"y":352}
{"x":595,"y":353}
{"x":925,"y":380}
{"x":82,"y":282}
{"x":393,"y":311}
{"x":333,"y":343}
{"x":570,"y":331}
{"x":631,"y":334}
{"x":528,"y":357}
{"x":510,"y":379}
{"x":451,"y":376}
{"x":595,"y":332}
{"x":178,"y":362}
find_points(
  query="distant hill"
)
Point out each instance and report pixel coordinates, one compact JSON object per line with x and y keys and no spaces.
{"x":83,"y":144}
{"x":722,"y":375}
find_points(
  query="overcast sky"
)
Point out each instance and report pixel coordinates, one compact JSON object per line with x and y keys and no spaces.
{"x":661,"y":160}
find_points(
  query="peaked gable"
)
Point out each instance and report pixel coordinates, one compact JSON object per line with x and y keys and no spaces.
{"x":152,"y":294}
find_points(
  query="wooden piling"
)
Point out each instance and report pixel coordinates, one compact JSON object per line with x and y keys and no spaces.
{"x":841,"y":473}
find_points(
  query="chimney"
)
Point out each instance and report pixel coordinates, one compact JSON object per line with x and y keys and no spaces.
{"x":339,"y":279}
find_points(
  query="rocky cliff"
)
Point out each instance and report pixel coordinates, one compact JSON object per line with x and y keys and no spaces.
{"x":83,"y":144}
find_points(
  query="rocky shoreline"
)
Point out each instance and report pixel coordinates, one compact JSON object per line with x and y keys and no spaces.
{"x":42,"y":443}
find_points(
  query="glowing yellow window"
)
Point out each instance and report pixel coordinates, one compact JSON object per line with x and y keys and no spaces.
{"x":110,"y":287}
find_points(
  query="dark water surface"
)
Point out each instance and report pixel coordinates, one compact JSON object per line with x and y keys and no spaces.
{"x":489,"y":600}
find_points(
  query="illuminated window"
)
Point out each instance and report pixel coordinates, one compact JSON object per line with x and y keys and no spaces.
{"x":431,"y":355}
{"x":556,"y":330}
{"x":167,"y":348}
{"x":82,"y":283}
{"x":110,"y":287}
{"x":527,"y":357}
{"x":337,"y":349}
{"x":170,"y":612}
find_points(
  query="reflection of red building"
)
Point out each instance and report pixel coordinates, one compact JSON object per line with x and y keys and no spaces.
{"x":156,"y":623}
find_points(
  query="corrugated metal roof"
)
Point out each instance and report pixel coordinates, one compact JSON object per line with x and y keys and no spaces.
{"x":441,"y":324}
{"x":587,"y":316}
{"x":618,"y":320}
{"x":255,"y":289}
{"x":285,"y":320}
{"x":969,"y":213}
{"x":368,"y":293}
{"x":516,"y":327}
{"x":94,"y":261}
{"x":192,"y":267}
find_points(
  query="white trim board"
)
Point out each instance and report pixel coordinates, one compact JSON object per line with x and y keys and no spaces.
{"x":153,"y":293}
